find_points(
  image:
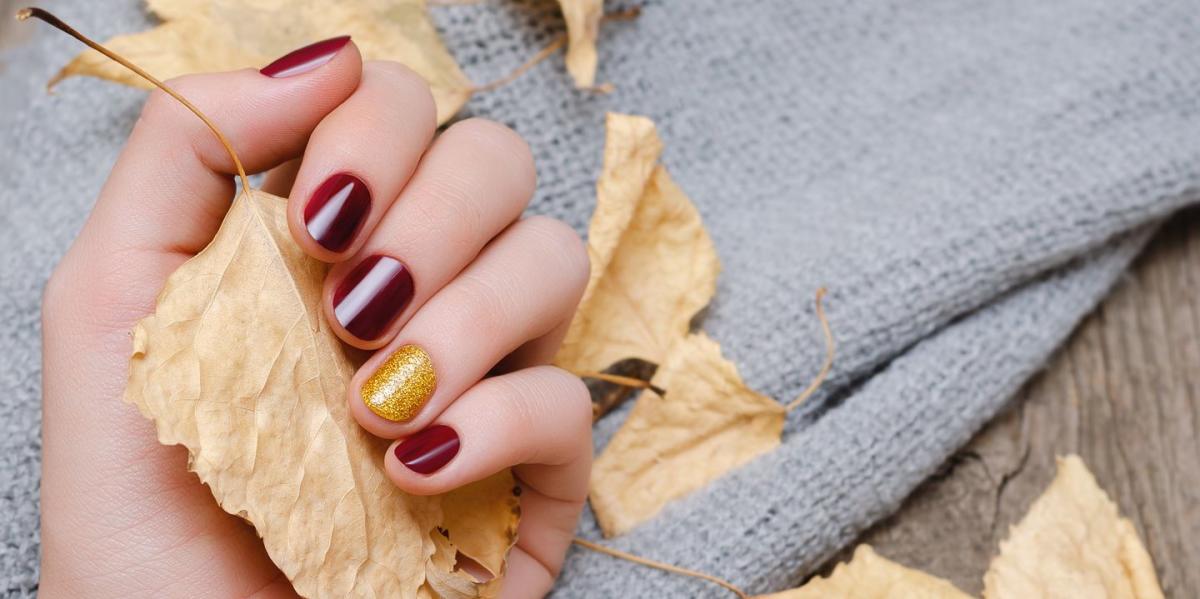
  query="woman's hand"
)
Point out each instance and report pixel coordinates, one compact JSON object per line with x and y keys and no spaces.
{"x":433,"y":268}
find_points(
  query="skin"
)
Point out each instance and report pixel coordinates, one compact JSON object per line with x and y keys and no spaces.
{"x":121,"y":516}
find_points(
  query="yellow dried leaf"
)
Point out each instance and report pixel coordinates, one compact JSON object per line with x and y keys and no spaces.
{"x":708,"y":423}
{"x":583,"y":25}
{"x":869,"y":576}
{"x":1072,"y":543}
{"x":653,"y":265}
{"x":238,"y":365}
{"x":653,"y":268}
{"x":220,"y":35}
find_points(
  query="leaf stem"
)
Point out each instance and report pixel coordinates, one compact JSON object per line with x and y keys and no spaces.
{"x":830,"y":350}
{"x":542,"y":54}
{"x":555,"y":45}
{"x":37,"y":13}
{"x":629,"y":557}
{"x":616,"y":379}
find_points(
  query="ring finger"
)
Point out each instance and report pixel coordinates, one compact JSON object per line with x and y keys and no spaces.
{"x":521,"y":287}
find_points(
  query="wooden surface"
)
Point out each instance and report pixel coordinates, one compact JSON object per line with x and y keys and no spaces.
{"x":1124,"y":394}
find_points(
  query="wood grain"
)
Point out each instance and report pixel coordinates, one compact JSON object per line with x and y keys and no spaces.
{"x":1124,"y":394}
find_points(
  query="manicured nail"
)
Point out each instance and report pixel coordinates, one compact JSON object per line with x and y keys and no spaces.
{"x":370,"y":298}
{"x":401,"y":385}
{"x":337,"y":210}
{"x":427,"y":451}
{"x":305,"y":59}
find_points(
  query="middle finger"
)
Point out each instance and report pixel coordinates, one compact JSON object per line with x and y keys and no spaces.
{"x":474,"y":181}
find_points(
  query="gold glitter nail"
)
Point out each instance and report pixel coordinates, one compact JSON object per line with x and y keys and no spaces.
{"x":401,"y":385}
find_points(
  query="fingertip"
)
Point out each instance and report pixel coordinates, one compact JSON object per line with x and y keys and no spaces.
{"x":359,"y":159}
{"x":425,"y":463}
{"x":329,"y":225}
{"x":370,"y":421}
{"x":267,"y":120}
{"x":334,"y":280}
{"x":306,"y":58}
{"x":174,"y":154}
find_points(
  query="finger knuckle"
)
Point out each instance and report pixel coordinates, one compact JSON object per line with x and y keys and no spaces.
{"x":465,"y":218}
{"x":501,"y":145}
{"x":488,"y":306}
{"x":514,"y":408}
{"x":163,"y":112}
{"x":554,"y":239}
{"x":544,"y":396}
{"x":403,"y":81}
{"x":160,"y":106}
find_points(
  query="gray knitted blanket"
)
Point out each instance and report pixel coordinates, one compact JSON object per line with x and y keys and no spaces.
{"x":967,"y":177}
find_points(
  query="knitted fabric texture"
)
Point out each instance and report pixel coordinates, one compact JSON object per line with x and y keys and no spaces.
{"x":967,"y":179}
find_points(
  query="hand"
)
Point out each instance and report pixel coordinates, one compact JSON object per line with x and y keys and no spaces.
{"x":432,"y":263}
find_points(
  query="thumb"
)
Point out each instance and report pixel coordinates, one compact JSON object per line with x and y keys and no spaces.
{"x":173,"y":182}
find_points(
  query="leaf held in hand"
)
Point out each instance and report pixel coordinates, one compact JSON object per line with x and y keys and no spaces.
{"x":708,"y":423}
{"x":221,"y":35}
{"x":653,"y":265}
{"x":1072,"y":543}
{"x":238,"y":365}
{"x":583,"y":25}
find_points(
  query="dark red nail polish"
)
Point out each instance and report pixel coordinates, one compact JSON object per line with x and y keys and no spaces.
{"x":305,"y":59}
{"x":337,"y":210}
{"x":370,"y":298}
{"x":428,"y":450}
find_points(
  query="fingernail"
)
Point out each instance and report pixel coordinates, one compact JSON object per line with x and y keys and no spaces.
{"x":401,"y":385}
{"x":370,"y":298}
{"x":305,"y":59}
{"x":336,"y":211}
{"x":427,"y":451}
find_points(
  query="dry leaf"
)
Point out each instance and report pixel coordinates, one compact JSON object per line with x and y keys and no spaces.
{"x":653,"y":268}
{"x":869,"y":576}
{"x":708,"y":423}
{"x":238,"y":365}
{"x":221,"y":35}
{"x":1072,"y":543}
{"x":583,"y":25}
{"x":653,"y":264}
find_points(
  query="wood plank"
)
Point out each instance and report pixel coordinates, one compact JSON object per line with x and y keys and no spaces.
{"x":1124,"y":393}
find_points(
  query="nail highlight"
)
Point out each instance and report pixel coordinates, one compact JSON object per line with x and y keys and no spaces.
{"x":337,"y":210}
{"x":372,"y":296}
{"x":399,"y":388}
{"x":305,"y":59}
{"x":427,"y":451}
